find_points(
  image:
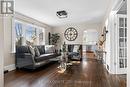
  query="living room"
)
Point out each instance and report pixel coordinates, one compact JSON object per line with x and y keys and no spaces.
{"x":63,"y":44}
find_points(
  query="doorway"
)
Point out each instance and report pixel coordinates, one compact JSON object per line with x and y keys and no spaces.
{"x":90,"y":39}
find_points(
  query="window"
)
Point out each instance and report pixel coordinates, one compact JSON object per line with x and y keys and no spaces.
{"x":28,"y":34}
{"x":19,"y":32}
{"x":122,"y":41}
{"x":41,"y":37}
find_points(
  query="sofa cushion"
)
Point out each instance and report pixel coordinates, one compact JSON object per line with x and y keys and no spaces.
{"x":32,"y":50}
{"x":22,"y":49}
{"x":41,"y":49}
{"x":70,"y":48}
{"x":58,"y":54}
{"x":37,"y":53}
{"x":73,"y":53}
{"x":45,"y":57}
{"x":49,"y":49}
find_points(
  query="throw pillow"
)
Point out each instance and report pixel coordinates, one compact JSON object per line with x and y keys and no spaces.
{"x":49,"y":49}
{"x":37,"y":53}
{"x":41,"y":49}
{"x":32,"y":50}
{"x":76,"y":48}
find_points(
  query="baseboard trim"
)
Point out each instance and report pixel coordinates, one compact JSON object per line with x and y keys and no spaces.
{"x":10,"y":67}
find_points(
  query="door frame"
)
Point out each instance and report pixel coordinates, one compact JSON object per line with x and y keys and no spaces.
{"x":1,"y":51}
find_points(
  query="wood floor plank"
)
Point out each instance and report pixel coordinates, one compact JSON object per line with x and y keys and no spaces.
{"x":88,"y":73}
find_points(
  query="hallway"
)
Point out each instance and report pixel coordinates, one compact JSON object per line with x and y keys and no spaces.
{"x":88,"y":73}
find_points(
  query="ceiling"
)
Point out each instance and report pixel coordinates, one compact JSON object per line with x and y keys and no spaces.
{"x":123,"y":9}
{"x":89,"y":11}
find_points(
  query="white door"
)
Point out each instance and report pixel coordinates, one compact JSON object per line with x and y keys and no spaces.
{"x":122,"y":44}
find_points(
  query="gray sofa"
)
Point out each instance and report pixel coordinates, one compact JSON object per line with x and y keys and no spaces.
{"x":29,"y":58}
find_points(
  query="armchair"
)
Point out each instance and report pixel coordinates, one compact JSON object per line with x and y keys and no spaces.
{"x":74,"y":51}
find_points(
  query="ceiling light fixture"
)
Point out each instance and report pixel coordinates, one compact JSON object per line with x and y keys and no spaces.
{"x":61,"y":14}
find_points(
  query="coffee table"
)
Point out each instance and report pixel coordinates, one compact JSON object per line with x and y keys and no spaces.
{"x":64,"y":63}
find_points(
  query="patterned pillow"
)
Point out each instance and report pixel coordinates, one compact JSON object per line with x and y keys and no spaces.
{"x":37,"y":53}
{"x":32,"y":50}
{"x":76,"y":48}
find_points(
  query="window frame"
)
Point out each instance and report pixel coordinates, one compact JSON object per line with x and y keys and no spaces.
{"x":24,"y":25}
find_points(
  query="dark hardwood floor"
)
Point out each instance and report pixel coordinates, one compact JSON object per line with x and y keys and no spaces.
{"x":88,"y":73}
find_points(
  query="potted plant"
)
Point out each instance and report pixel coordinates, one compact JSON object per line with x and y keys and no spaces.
{"x":54,"y":38}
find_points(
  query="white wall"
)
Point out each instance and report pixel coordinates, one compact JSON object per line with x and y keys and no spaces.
{"x":79,"y":27}
{"x":9,"y":58}
{"x":90,"y":37}
{"x":110,"y":44}
{"x":1,"y":51}
{"x":112,"y":5}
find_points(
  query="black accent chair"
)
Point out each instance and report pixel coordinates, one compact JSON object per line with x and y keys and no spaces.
{"x":74,"y":55}
{"x":25,"y":58}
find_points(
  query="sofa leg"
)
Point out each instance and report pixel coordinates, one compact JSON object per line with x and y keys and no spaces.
{"x":17,"y":68}
{"x":80,"y":59}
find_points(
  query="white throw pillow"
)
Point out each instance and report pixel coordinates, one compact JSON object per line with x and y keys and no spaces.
{"x":49,"y":49}
{"x":32,"y":50}
{"x":76,"y":48}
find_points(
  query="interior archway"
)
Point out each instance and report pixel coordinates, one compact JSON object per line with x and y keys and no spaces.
{"x":90,"y":40}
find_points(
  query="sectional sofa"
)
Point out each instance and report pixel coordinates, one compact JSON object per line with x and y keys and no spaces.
{"x":33,"y":57}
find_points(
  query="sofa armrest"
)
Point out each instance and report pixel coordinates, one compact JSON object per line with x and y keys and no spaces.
{"x":24,"y":59}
